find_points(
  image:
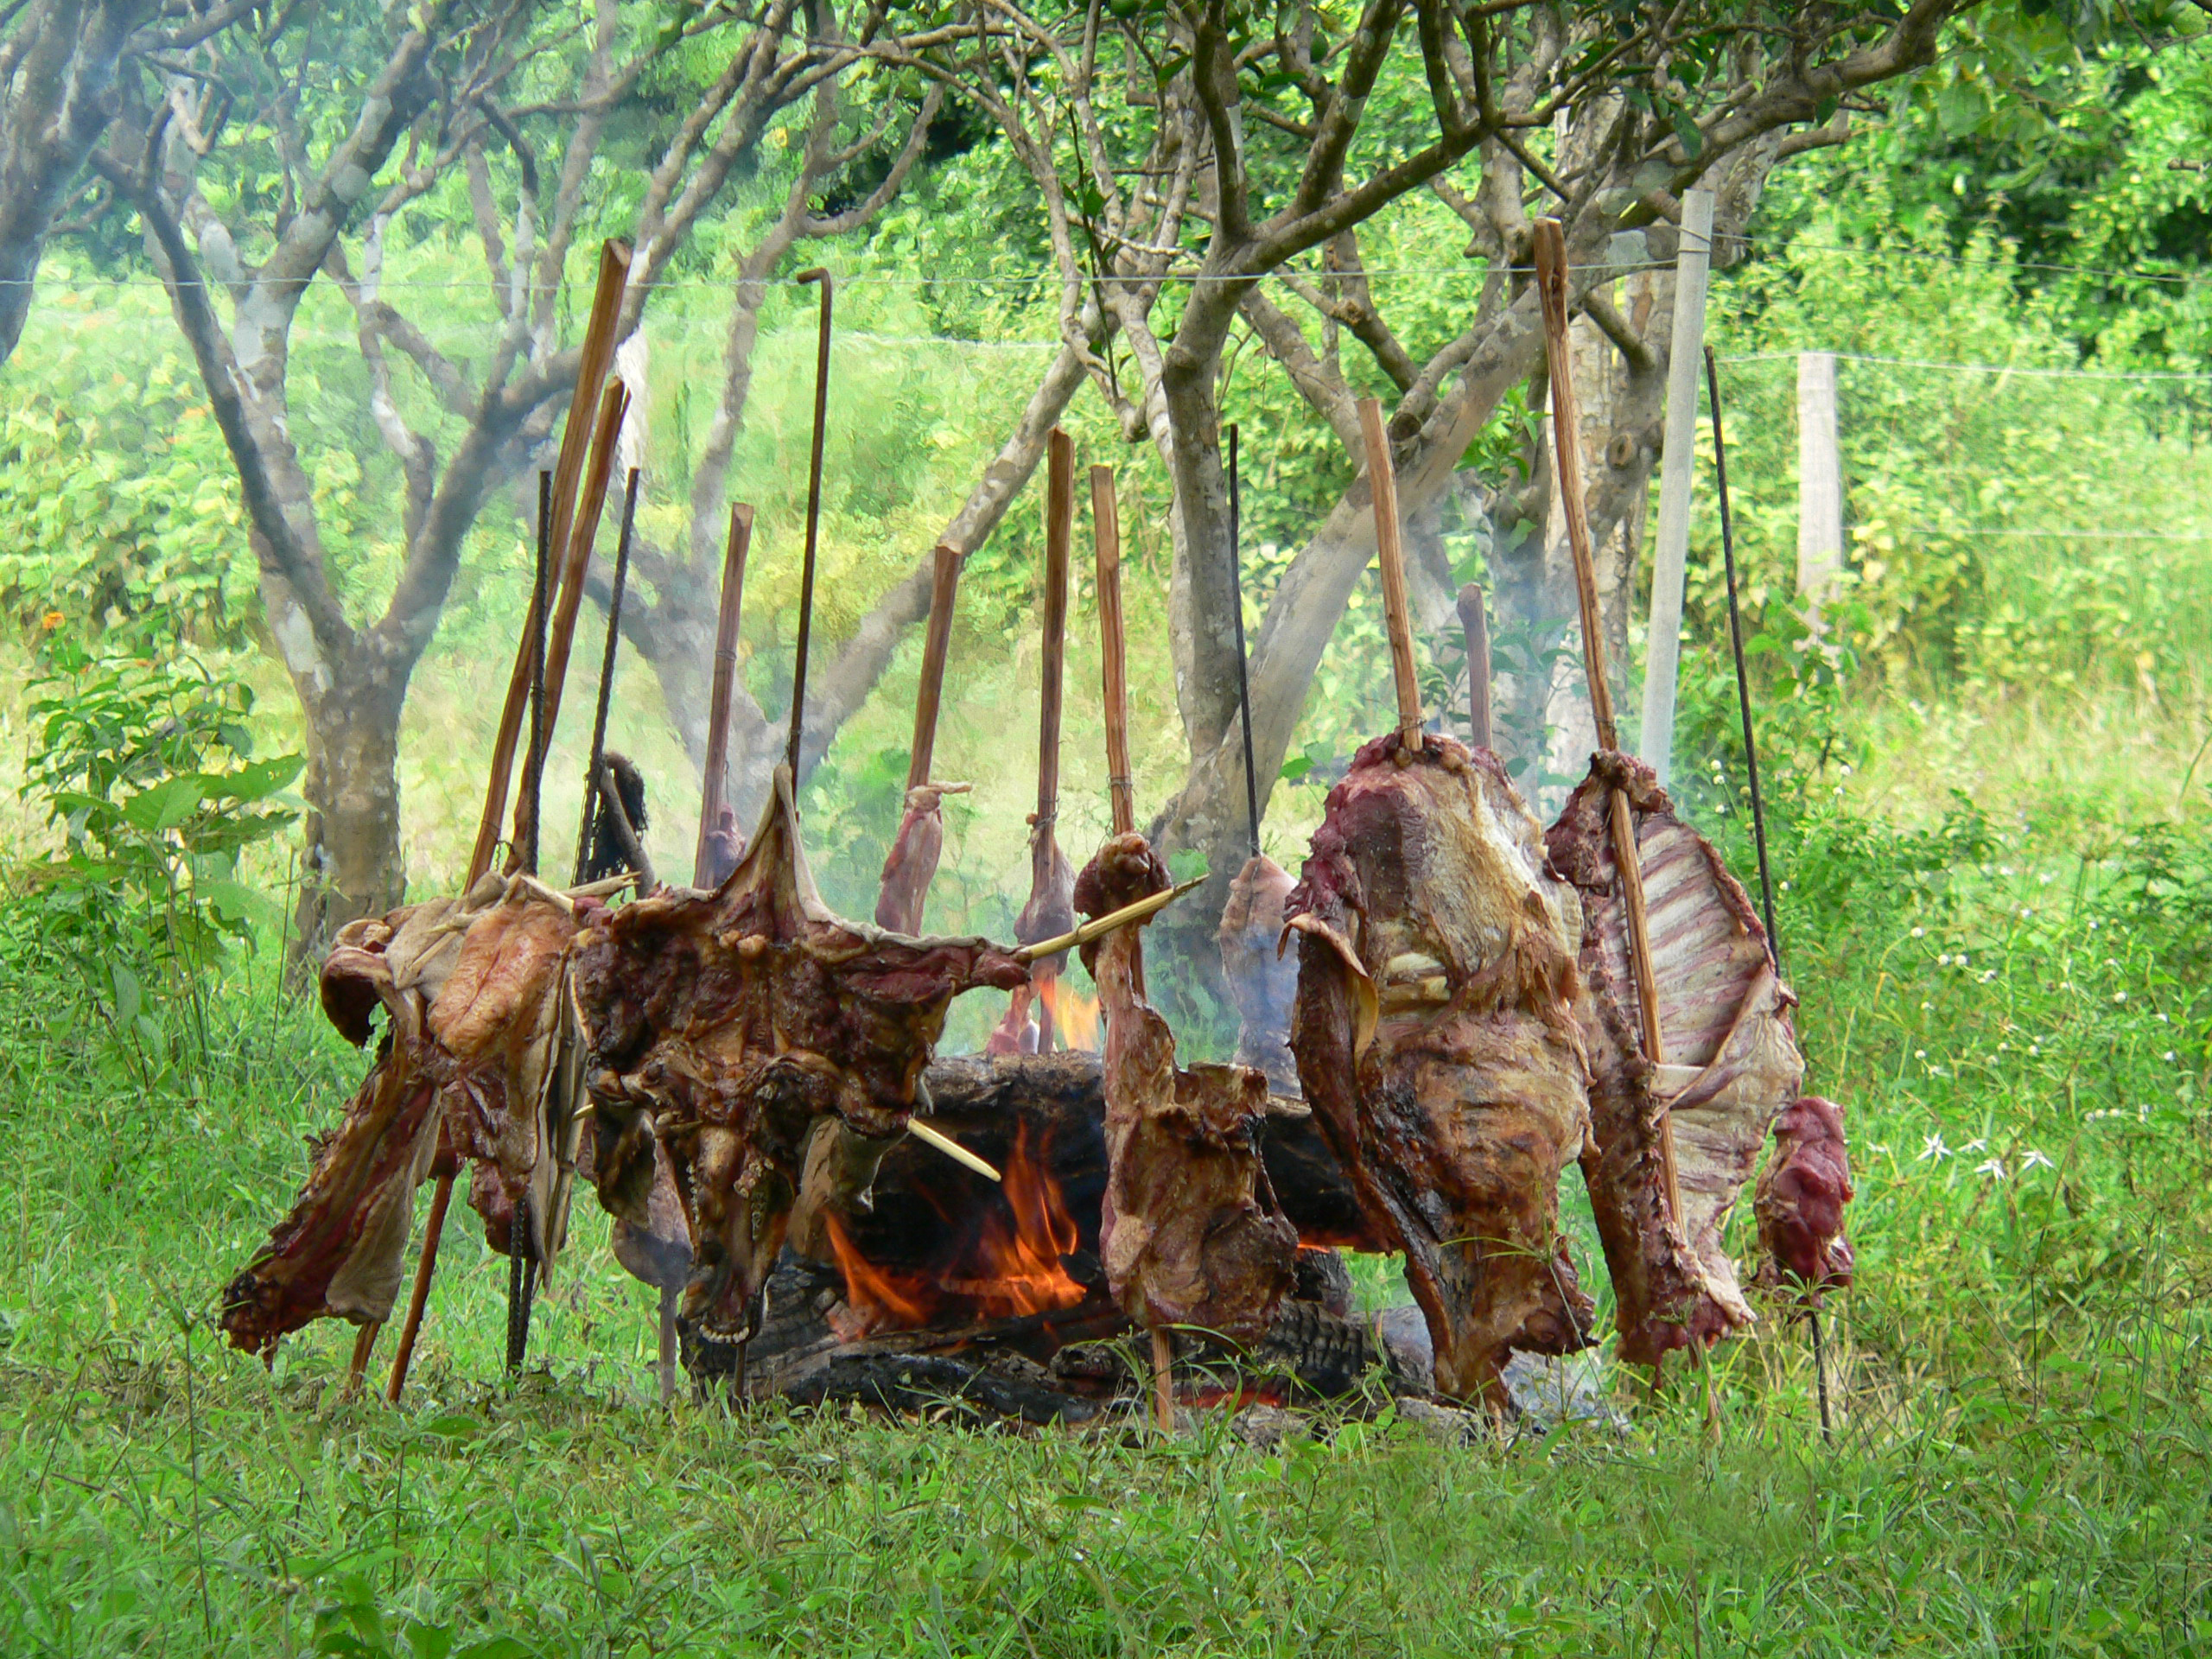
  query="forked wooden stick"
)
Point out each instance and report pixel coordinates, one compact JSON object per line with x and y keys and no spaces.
{"x":1566,"y":450}
{"x":716,"y":783}
{"x":1106,"y":527}
{"x":1397,"y":616}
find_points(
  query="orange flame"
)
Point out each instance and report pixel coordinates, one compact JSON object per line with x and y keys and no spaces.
{"x":1074,"y":1016}
{"x":1009,"y":1265}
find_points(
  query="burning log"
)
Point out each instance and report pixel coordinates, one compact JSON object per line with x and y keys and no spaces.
{"x":1435,"y":1029}
{"x":1729,"y":1066}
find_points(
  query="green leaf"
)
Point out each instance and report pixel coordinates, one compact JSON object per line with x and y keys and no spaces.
{"x":130,"y":996}
{"x":1296,"y":767}
{"x":1686,"y":130}
{"x":1188,"y":865}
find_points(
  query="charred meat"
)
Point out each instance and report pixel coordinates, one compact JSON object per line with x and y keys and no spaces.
{"x":1436,"y":1037}
{"x":1730,"y":1061}
{"x":1190,"y":1234}
{"x":912,"y":859}
{"x":727,"y":1024}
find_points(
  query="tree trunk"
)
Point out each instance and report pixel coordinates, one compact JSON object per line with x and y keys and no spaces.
{"x":350,"y":862}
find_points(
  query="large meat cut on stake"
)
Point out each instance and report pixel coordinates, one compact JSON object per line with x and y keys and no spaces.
{"x":727,"y":1024}
{"x":473,"y":1000}
{"x":912,"y":858}
{"x":1730,"y":1061}
{"x":1190,"y":1234}
{"x":1436,"y":1037}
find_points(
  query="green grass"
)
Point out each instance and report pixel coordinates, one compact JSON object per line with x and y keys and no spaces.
{"x":2022,"y":1461}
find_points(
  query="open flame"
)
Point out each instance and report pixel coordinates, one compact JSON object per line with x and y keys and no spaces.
{"x":1007,"y":1264}
{"x":1074,"y":1016}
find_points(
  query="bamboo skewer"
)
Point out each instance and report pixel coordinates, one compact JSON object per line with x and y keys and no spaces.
{"x":1382,"y":485}
{"x":716,"y":782}
{"x":1566,"y":450}
{"x":1474,"y":620}
{"x":950,"y":1148}
{"x":575,"y":441}
{"x":1243,"y":663}
{"x":1106,"y":527}
{"x":607,"y":671}
{"x":813,"y":519}
{"x":1099,"y":926}
{"x":944,"y":592}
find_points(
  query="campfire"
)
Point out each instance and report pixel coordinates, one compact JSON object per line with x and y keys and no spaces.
{"x":749,"y":1082}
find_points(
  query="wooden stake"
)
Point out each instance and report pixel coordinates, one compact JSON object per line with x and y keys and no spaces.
{"x":1044,"y":846}
{"x":569,"y":600}
{"x":1106,"y":528}
{"x":1566,"y":451}
{"x":541,"y":598}
{"x":606,"y":669}
{"x":1383,"y":482}
{"x":944,"y":586}
{"x":425,"y":1270}
{"x":1163,"y":1380}
{"x":716,"y":783}
{"x":813,"y":520}
{"x":1474,"y":620}
{"x":575,"y":440}
{"x":1244,"y":665}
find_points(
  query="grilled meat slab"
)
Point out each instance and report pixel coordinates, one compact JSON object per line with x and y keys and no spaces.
{"x":725,"y":1024}
{"x":471,"y":997}
{"x":1730,"y":1061}
{"x":1436,"y":1037}
{"x":1190,"y":1234}
{"x":1800,"y":1201}
{"x":912,"y":859}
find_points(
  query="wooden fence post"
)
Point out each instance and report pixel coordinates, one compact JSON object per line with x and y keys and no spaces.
{"x":1670,"y":552}
{"x":1820,"y":479}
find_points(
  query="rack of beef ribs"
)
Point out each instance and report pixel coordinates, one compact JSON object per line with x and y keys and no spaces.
{"x":1800,"y":1200}
{"x":1436,"y":1037}
{"x":728,"y":1024}
{"x":1730,"y":1061}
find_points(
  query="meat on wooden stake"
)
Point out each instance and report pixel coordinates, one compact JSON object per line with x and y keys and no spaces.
{"x":727,"y":1024}
{"x":1731,"y":1062}
{"x":1436,"y":1037}
{"x":1800,"y":1202}
{"x":1190,"y":1234}
{"x":472,"y":1000}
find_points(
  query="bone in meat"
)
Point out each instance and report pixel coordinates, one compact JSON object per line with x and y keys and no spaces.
{"x":1731,"y":1060}
{"x":1800,"y":1201}
{"x":912,"y":859}
{"x":1190,"y":1233}
{"x":470,"y":996}
{"x":1436,"y":1037}
{"x":725,"y":1023}
{"x":1263,"y":978}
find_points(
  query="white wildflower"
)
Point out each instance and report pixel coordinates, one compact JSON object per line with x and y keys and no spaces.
{"x":2093,"y":923}
{"x":1987,"y":974}
{"x":2168,"y":1056}
{"x":1932,"y":1147}
{"x":1943,"y":961}
{"x":2119,"y":996}
{"x":1919,"y":932}
{"x":2004,"y":869}
{"x":1979,"y":1143}
{"x":1994,"y":1169}
{"x":2035,"y":1049}
{"x":2035,"y":1160}
{"x":2044,"y":878}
